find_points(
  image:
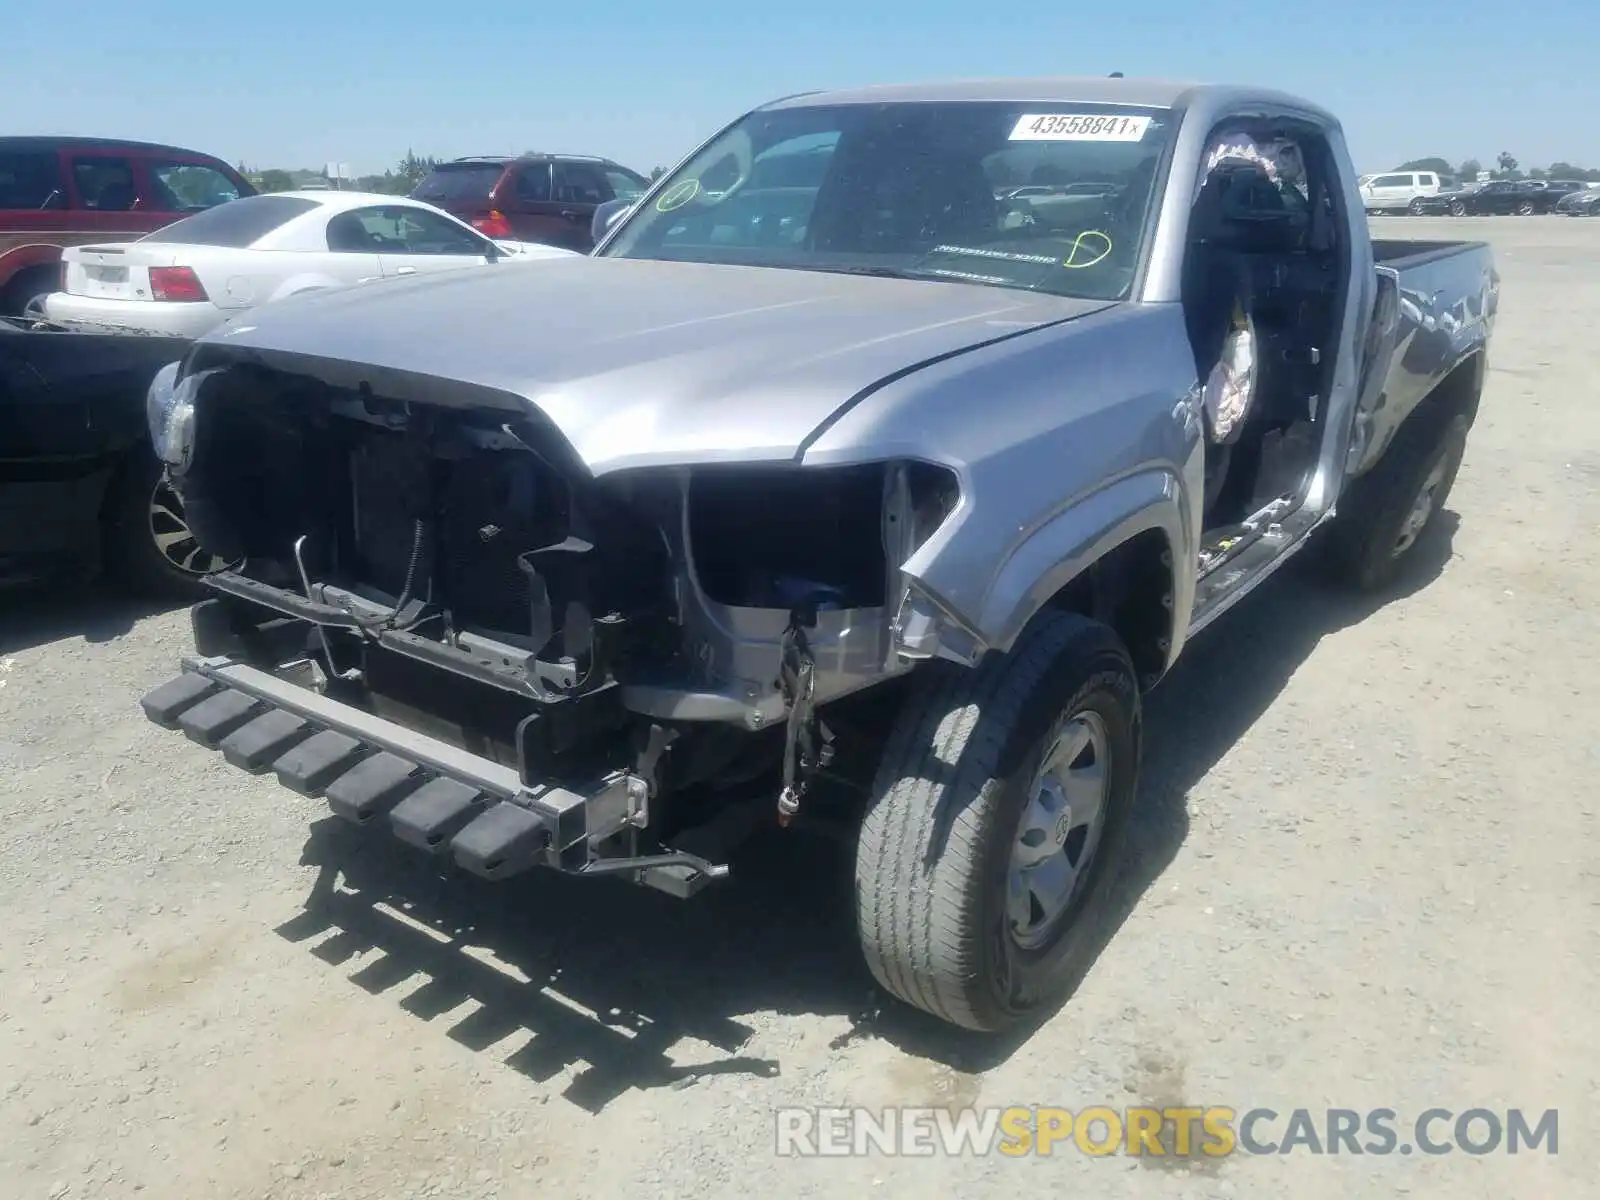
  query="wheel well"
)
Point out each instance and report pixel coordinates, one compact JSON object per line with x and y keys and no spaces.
{"x":28,"y":281}
{"x":1458,"y":392}
{"x":1131,"y":590}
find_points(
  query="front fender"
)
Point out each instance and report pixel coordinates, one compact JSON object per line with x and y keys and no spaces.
{"x":1050,"y":557}
{"x":1068,"y":544}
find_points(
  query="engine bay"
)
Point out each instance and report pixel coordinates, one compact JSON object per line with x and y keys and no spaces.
{"x":455,"y":570}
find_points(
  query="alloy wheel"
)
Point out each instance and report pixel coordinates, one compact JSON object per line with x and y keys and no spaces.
{"x":174,"y":541}
{"x":1059,"y":831}
{"x":1421,"y":509}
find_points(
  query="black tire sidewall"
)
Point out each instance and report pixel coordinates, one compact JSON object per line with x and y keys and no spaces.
{"x":1092,"y":674}
{"x":30,"y":285}
{"x":1387,"y":501}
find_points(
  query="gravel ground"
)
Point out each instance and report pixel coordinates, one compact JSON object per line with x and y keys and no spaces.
{"x":1364,"y":879}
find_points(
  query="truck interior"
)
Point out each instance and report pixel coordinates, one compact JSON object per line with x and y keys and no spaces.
{"x":1262,"y":293}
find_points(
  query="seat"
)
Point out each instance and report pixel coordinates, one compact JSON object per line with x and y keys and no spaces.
{"x":1243,"y":321}
{"x":347,"y":235}
{"x":116,"y":196}
{"x":904,"y":198}
{"x":1216,"y":285}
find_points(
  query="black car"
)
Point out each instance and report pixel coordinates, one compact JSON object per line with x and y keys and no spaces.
{"x":1581,"y":203}
{"x":79,"y":483}
{"x":1502,"y":196}
{"x":1451,"y":201}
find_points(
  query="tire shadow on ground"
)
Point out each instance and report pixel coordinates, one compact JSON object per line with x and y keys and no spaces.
{"x":605,"y":979}
{"x":39,"y":614}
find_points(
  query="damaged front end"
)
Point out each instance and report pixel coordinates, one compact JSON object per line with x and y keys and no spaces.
{"x":440,"y":617}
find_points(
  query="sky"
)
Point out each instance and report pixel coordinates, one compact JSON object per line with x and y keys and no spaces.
{"x":299,"y":83}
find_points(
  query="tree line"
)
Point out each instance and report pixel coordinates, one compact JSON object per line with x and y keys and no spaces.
{"x":404,"y":176}
{"x":1505,"y":166}
{"x":399,"y":180}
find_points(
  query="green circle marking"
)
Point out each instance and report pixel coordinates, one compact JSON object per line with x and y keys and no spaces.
{"x":1077,"y":244}
{"x":678,"y":195}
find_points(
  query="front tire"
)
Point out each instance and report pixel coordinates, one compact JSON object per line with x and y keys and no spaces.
{"x":1385,"y":513}
{"x":996,"y":824}
{"x":1416,"y":207}
{"x":1457,"y":209}
{"x":1525,"y":209}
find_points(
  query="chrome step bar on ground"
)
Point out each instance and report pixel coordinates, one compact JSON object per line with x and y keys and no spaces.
{"x":437,"y":797}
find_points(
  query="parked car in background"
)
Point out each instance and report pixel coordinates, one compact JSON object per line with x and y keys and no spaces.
{"x":1029,"y":191}
{"x":1399,"y":191}
{"x":196,"y":273}
{"x":1560,"y":189}
{"x":547,"y":198}
{"x":80,"y":487}
{"x":1443,"y":201}
{"x":1583,"y":202}
{"x":1523,"y":197}
{"x":65,"y":191}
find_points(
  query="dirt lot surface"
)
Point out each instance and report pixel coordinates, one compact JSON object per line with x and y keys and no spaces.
{"x":1366,"y":877}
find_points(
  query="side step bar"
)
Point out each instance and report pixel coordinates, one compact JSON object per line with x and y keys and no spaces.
{"x":436,"y":797}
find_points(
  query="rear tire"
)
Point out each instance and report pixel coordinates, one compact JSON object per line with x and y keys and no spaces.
{"x":1525,"y":209}
{"x":1386,"y":513}
{"x":963,"y":832}
{"x":148,"y":549}
{"x":28,"y":291}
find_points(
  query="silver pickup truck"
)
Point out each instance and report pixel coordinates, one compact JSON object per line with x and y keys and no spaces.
{"x":876,"y":463}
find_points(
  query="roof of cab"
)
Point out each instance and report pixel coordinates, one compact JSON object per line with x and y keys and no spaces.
{"x":43,"y":141}
{"x":1063,"y":89}
{"x":1090,"y":89}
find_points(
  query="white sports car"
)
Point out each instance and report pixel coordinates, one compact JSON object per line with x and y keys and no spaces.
{"x":198,"y":272}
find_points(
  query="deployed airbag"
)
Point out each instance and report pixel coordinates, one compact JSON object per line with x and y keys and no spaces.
{"x":1231,"y":386}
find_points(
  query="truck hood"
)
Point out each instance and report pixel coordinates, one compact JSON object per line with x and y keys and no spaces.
{"x":640,"y":362}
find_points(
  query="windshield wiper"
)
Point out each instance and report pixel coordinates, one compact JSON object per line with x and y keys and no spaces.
{"x":883,"y":272}
{"x":925,"y":274}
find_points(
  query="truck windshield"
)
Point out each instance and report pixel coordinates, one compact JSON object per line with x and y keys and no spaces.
{"x":1040,"y":197}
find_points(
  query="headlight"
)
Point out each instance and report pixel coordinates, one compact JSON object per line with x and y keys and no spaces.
{"x":169,"y":410}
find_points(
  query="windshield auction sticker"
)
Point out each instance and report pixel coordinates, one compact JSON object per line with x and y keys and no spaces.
{"x":1079,"y":127}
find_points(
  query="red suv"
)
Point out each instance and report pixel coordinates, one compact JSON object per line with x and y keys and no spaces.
{"x":65,"y":191}
{"x":548,"y":198}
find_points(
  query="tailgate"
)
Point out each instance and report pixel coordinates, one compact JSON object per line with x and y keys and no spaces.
{"x":112,"y":272}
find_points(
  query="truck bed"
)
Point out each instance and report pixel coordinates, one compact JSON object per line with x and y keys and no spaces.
{"x":1406,"y":252}
{"x":69,"y":394}
{"x":71,"y":408}
{"x":1445,"y":297}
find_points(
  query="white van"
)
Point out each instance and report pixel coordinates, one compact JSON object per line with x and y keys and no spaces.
{"x":1398,"y":191}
